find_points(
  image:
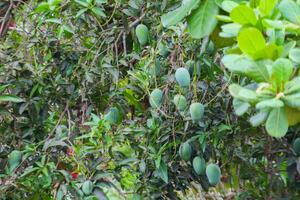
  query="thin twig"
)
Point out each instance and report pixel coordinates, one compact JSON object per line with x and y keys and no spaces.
{"x":5,"y":16}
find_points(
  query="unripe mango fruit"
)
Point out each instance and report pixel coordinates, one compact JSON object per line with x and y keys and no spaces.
{"x":142,"y":34}
{"x":185,"y":151}
{"x":213,"y":174}
{"x":156,"y":98}
{"x":199,"y":165}
{"x":196,"y":111}
{"x":183,"y":77}
{"x":296,"y":146}
{"x":163,"y":49}
{"x":180,"y":102}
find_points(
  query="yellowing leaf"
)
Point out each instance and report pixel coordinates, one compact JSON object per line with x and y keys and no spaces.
{"x":250,"y":41}
{"x":243,"y":15}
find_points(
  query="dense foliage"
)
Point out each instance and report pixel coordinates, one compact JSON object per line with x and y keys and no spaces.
{"x":133,"y":99}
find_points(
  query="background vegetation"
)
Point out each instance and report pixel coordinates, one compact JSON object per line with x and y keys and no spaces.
{"x":79,"y":119}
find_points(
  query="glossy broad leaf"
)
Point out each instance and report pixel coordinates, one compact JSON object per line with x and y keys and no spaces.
{"x":250,"y":41}
{"x":282,"y":70}
{"x":266,"y":6}
{"x":259,"y":118}
{"x":173,"y":17}
{"x":203,"y":20}
{"x":290,"y":10}
{"x":277,"y":123}
{"x":240,"y":107}
{"x":243,"y":14}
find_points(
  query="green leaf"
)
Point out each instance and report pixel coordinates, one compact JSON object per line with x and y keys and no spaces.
{"x":269,"y":103}
{"x":53,"y":20}
{"x":98,"y":12}
{"x":242,"y":93}
{"x":292,"y":86}
{"x":258,"y":71}
{"x":243,"y":65}
{"x":290,"y":10}
{"x":266,"y":6}
{"x":294,"y":55}
{"x":277,"y":123}
{"x":203,"y":20}
{"x":259,"y":118}
{"x":282,"y":70}
{"x":243,"y":14}
{"x":286,"y":48}
{"x":175,"y":16}
{"x":10,"y":98}
{"x":293,"y":100}
{"x":42,"y":7}
{"x":250,"y":41}
{"x":228,"y":6}
{"x":163,"y":172}
{"x":271,"y":51}
{"x":240,"y":107}
{"x":236,"y":63}
{"x":82,"y":3}
{"x":230,"y":30}
{"x":293,"y":115}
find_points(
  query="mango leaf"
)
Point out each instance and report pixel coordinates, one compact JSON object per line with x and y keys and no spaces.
{"x":277,"y":123}
{"x":243,"y":14}
{"x":250,"y":41}
{"x":42,"y":7}
{"x":269,"y":103}
{"x":175,"y":16}
{"x":266,"y":6}
{"x":10,"y":98}
{"x":98,"y":12}
{"x":203,"y":20}
{"x":240,"y":107}
{"x":290,"y":10}
{"x":163,"y":172}
{"x":259,"y":118}
{"x":294,"y":55}
{"x":282,"y":70}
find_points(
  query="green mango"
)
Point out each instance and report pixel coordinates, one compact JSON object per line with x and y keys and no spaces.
{"x":163,"y":49}
{"x":87,"y":187}
{"x":296,"y":146}
{"x":113,"y":115}
{"x":196,"y":111}
{"x":142,"y":34}
{"x":199,"y":165}
{"x":213,"y":174}
{"x":183,"y":77}
{"x":185,"y":151}
{"x":180,"y":102}
{"x":156,"y":98}
{"x":14,"y":159}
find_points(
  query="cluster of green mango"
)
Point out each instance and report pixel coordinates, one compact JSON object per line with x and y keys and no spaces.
{"x":212,"y":171}
{"x":183,"y":78}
